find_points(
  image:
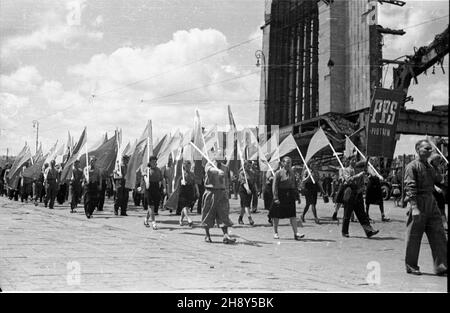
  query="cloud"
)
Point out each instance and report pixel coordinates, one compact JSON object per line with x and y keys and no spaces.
{"x":438,"y":93}
{"x":58,"y":25}
{"x":158,"y":75}
{"x":10,"y":106}
{"x":24,"y":79}
{"x":124,"y":77}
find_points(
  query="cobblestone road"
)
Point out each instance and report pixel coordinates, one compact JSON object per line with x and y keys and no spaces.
{"x":42,"y":250}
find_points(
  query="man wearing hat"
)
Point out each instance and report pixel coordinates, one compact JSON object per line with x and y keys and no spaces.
{"x":92,"y":185}
{"x":121,"y":196}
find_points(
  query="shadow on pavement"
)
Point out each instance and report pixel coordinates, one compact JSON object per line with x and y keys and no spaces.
{"x":377,"y":238}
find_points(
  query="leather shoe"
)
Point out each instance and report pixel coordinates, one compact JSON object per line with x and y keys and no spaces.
{"x":228,"y":240}
{"x":372,"y":233}
{"x":345,"y":235}
{"x":412,"y":270}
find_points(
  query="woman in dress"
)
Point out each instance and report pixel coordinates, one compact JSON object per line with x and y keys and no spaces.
{"x":152,"y":180}
{"x":311,"y":190}
{"x":188,"y":192}
{"x":373,"y":191}
{"x":246,"y":190}
{"x":285,"y":191}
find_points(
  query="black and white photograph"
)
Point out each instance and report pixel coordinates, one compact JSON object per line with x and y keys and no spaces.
{"x":218,"y":150}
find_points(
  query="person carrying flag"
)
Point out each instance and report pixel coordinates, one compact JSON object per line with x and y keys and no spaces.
{"x":215,"y":202}
{"x":51,"y":181}
{"x":92,"y":184}
{"x":152,"y":181}
{"x":246,"y":190}
{"x":121,"y":195}
{"x":188,"y":192}
{"x":76,"y":187}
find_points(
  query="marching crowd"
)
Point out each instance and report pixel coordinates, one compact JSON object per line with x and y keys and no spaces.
{"x":175,"y":187}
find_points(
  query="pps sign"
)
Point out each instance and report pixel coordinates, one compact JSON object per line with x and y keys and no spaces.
{"x":382,"y":124}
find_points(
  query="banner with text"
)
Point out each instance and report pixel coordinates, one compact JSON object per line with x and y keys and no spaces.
{"x":383,"y":118}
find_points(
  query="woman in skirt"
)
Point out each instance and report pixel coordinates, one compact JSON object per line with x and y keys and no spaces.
{"x":373,"y":191}
{"x":311,"y":190}
{"x":284,"y":195}
{"x":152,"y":180}
{"x":188,"y":192}
{"x":246,"y":190}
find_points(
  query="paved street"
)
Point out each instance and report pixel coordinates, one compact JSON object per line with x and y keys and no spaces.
{"x":42,"y":250}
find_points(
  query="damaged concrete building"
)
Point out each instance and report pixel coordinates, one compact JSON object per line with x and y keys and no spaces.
{"x":321,"y":61}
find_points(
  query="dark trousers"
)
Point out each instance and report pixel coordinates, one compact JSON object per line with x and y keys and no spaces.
{"x":426,"y":220}
{"x":101,"y":196}
{"x":254,"y":199}
{"x":50,"y":194}
{"x":137,"y":196}
{"x":37,"y":191}
{"x":75,"y":192}
{"x":201,"y":190}
{"x":90,"y":198}
{"x":121,"y":200}
{"x":268,"y":198}
{"x":355,"y":204}
{"x":236,"y":189}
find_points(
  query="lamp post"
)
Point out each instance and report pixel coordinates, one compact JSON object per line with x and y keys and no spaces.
{"x":259,"y":54}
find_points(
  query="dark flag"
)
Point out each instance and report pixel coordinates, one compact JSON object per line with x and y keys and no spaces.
{"x":76,"y":152}
{"x":106,"y":156}
{"x":382,"y":124}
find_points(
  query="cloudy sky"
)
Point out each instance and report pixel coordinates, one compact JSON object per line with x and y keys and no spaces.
{"x":146,"y":59}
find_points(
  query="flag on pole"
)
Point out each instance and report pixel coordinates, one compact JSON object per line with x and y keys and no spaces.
{"x":99,"y":142}
{"x":170,"y":147}
{"x":148,"y":148}
{"x":318,"y":141}
{"x":76,"y":152}
{"x":198,"y":136}
{"x":39,"y":154}
{"x":135,"y":162}
{"x":51,"y":153}
{"x":350,"y":148}
{"x":19,"y":162}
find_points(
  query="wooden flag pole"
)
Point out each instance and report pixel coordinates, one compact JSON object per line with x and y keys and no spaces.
{"x":363,"y":156}
{"x":243,"y":168}
{"x":307,"y":168}
{"x":439,"y":151}
{"x":335,"y":154}
{"x":204,"y":155}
